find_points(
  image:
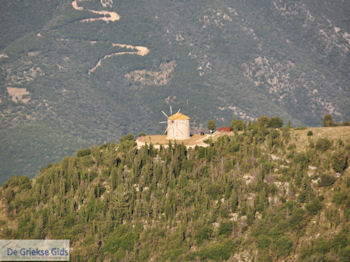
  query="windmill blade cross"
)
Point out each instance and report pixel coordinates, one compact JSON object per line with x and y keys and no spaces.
{"x":164,"y":114}
{"x":165,"y":130}
{"x":171,"y":110}
{"x":163,"y":122}
{"x":178,"y":111}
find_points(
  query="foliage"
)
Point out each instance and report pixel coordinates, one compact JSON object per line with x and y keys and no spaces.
{"x":219,"y":69}
{"x":211,"y":125}
{"x":326,"y":180}
{"x":275,"y":122}
{"x":323,"y":144}
{"x":83,"y":152}
{"x":123,"y":238}
{"x":339,"y":161}
{"x":118,"y":202}
{"x":263,"y":120}
{"x":225,"y":229}
{"x":340,"y":198}
{"x":128,"y":137}
{"x":204,"y":233}
{"x":216,"y":252}
{"x":215,"y":190}
{"x":328,"y":120}
{"x":237,"y":125}
{"x":314,"y":207}
{"x":284,"y":246}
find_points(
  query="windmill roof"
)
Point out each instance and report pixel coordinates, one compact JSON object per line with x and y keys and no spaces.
{"x":178,"y":116}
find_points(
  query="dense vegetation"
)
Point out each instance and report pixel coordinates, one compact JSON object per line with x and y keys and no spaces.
{"x":229,"y":57}
{"x":245,"y":196}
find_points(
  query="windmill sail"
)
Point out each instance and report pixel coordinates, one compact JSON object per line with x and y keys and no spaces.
{"x":165,"y":114}
{"x":178,"y":125}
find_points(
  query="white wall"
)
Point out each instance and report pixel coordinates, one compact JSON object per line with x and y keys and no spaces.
{"x":178,"y":129}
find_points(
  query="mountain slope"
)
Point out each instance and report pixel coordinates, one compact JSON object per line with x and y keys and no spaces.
{"x":251,"y":195}
{"x":83,"y":63}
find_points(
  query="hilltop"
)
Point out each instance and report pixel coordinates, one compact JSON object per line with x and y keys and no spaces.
{"x":78,"y":73}
{"x":259,"y":193}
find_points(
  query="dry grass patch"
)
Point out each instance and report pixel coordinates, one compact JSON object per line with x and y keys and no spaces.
{"x":302,"y":140}
{"x":194,"y":140}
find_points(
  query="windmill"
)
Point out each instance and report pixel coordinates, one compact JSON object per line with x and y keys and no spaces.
{"x":178,"y":125}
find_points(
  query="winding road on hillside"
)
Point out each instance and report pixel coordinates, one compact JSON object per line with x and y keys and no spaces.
{"x":108,"y":16}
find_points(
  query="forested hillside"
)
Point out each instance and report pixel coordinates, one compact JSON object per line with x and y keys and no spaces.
{"x":83,"y":72}
{"x":260,"y":193}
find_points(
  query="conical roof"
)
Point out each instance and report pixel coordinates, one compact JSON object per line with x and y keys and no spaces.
{"x":179,"y":116}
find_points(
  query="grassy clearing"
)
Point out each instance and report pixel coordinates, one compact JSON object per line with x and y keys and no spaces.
{"x":196,"y":139}
{"x":302,"y":140}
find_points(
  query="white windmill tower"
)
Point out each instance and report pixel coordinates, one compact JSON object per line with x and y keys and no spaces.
{"x":178,"y":125}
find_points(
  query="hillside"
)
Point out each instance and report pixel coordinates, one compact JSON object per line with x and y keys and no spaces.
{"x":78,"y":73}
{"x":256,"y":194}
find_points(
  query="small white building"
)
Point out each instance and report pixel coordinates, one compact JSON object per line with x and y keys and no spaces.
{"x":178,"y":127}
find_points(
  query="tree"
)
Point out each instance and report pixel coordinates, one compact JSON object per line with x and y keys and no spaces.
{"x":83,"y":152}
{"x":328,"y":120}
{"x":275,"y":122}
{"x":237,"y":125}
{"x":211,"y":125}
{"x":128,"y":137}
{"x":263,"y":120}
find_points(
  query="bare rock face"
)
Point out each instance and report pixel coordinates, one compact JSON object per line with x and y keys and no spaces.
{"x":156,"y":78}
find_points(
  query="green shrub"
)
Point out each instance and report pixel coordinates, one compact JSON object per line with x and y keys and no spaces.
{"x":22,"y":181}
{"x":225,"y":229}
{"x":345,"y":254}
{"x":323,"y":144}
{"x":204,"y":234}
{"x":340,"y":198}
{"x":296,"y":218}
{"x":303,"y":160}
{"x":122,"y":239}
{"x":217,"y":252}
{"x":174,"y":254}
{"x":320,"y":245}
{"x":128,"y":137}
{"x":339,"y":162}
{"x":340,"y":240}
{"x":314,"y":207}
{"x":310,"y":133}
{"x":326,"y":180}
{"x":83,"y":152}
{"x":284,"y":246}
{"x":263,"y":242}
{"x":215,"y":190}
